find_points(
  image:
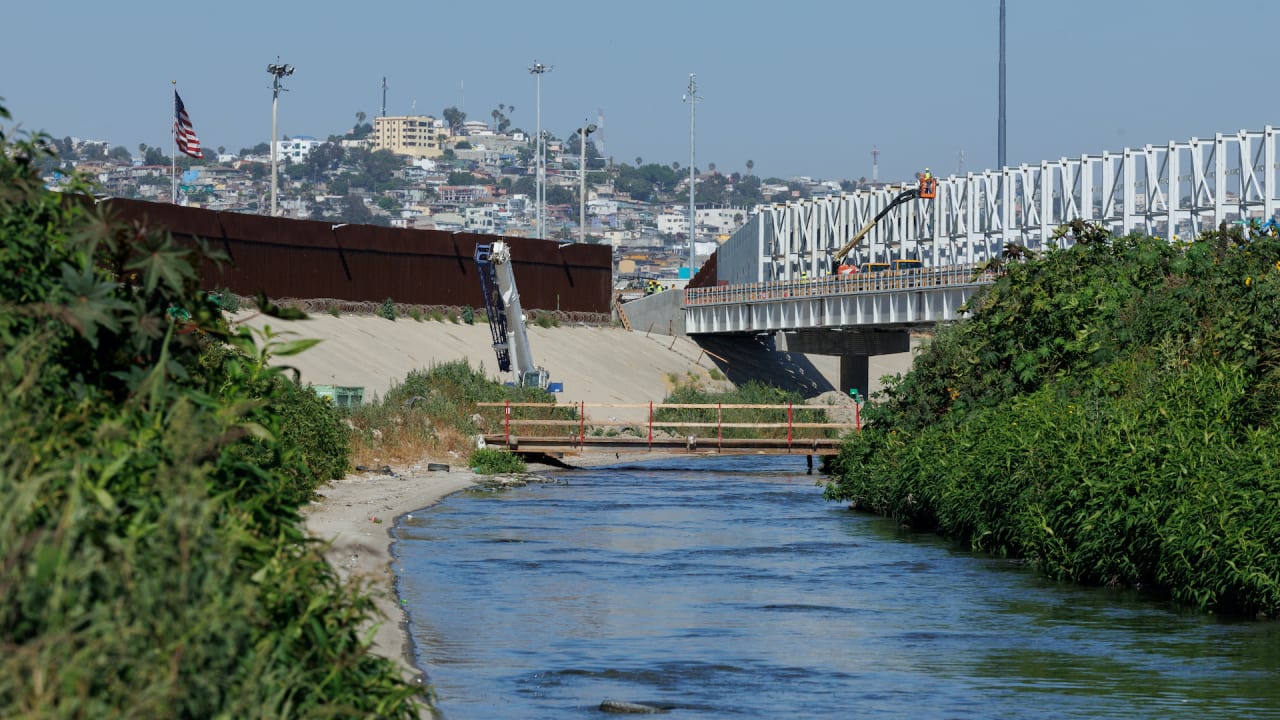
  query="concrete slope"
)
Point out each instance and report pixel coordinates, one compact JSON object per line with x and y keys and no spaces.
{"x":595,"y":364}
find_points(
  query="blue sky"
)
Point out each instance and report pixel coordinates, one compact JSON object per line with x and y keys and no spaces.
{"x":799,"y":87}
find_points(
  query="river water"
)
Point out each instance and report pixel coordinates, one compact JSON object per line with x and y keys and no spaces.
{"x":729,"y":588}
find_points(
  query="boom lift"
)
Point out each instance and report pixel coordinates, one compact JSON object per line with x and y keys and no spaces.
{"x":506,"y":318}
{"x":927,"y":190}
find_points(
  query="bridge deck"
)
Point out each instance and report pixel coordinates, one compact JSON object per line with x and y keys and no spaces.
{"x":690,"y":445}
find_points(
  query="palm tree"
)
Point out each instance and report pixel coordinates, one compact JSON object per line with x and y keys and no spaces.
{"x":360,"y":116}
{"x":639,"y":161}
{"x":750,"y":165}
{"x":712,"y":168}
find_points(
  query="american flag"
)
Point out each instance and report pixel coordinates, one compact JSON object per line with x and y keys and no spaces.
{"x":183,"y":132}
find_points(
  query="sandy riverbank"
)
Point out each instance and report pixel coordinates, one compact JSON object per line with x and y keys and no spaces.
{"x":356,"y":516}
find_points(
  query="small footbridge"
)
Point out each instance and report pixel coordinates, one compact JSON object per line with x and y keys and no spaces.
{"x":672,"y":428}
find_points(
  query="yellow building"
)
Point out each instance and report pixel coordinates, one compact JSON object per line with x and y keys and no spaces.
{"x":420,"y":136}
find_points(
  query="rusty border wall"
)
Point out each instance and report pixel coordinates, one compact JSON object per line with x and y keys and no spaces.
{"x":308,"y":259}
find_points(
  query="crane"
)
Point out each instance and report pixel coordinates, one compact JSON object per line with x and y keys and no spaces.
{"x":506,"y":318}
{"x":927,"y":190}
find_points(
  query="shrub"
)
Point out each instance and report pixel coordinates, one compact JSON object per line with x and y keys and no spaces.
{"x":488,"y":461}
{"x":1107,"y":412}
{"x":154,"y":562}
{"x":434,"y":410}
{"x":227,"y":300}
{"x":387,"y":309}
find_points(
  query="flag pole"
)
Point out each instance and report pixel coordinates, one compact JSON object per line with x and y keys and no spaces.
{"x":173,"y":151}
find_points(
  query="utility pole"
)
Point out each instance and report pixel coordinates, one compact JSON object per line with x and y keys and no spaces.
{"x":875,"y":164}
{"x":692,"y":98}
{"x":277,"y":71}
{"x":583,"y":132}
{"x":384,"y":96}
{"x":540,"y":177}
{"x":1000,"y":149}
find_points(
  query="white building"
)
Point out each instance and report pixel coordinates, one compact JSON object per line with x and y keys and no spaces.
{"x":296,"y":149}
{"x":711,"y":221}
{"x":482,"y":219}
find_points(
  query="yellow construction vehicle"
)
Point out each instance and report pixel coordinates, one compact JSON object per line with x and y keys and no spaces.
{"x":928,"y":189}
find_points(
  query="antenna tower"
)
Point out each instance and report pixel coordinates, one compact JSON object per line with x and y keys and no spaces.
{"x":875,"y":164}
{"x":384,"y":96}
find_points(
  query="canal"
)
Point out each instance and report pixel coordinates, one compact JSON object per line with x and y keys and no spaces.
{"x":729,"y":588}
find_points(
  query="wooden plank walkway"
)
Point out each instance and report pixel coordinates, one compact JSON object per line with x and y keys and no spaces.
{"x":578,"y":433}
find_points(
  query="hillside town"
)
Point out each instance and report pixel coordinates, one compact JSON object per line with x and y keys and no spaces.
{"x":455,"y":174}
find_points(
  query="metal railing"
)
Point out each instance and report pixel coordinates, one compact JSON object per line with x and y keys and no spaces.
{"x":796,"y":434}
{"x":857,"y":283}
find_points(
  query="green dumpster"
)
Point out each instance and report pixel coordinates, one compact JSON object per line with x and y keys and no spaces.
{"x":343,"y":396}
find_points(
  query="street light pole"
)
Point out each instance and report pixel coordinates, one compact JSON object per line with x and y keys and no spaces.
{"x":583,"y":132}
{"x":692,"y":98}
{"x":277,"y":71}
{"x":1000,"y":147}
{"x":538,"y":70}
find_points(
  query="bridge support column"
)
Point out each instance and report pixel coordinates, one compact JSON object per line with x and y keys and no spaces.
{"x":854,"y":374}
{"x":853,"y":347}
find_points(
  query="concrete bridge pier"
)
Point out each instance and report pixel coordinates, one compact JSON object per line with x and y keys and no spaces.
{"x":853,"y":347}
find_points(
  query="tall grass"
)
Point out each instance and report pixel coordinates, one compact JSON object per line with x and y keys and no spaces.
{"x":434,"y":413}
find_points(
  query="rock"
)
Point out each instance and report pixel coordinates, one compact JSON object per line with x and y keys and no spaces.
{"x":629,"y":708}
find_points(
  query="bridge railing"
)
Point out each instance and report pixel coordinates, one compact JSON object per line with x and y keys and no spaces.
{"x":794,"y":433}
{"x":863,"y":282}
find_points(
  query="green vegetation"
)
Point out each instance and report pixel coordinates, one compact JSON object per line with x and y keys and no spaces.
{"x":545,"y":320}
{"x":433,"y":413}
{"x":488,"y":461}
{"x":1107,"y":412}
{"x":152,"y":559}
{"x":388,"y":309}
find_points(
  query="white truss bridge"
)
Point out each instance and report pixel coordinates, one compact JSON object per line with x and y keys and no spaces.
{"x":1173,"y":190}
{"x":776,"y":273}
{"x":1179,"y":188}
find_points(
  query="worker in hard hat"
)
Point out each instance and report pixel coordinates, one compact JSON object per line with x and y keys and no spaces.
{"x":928,"y":186}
